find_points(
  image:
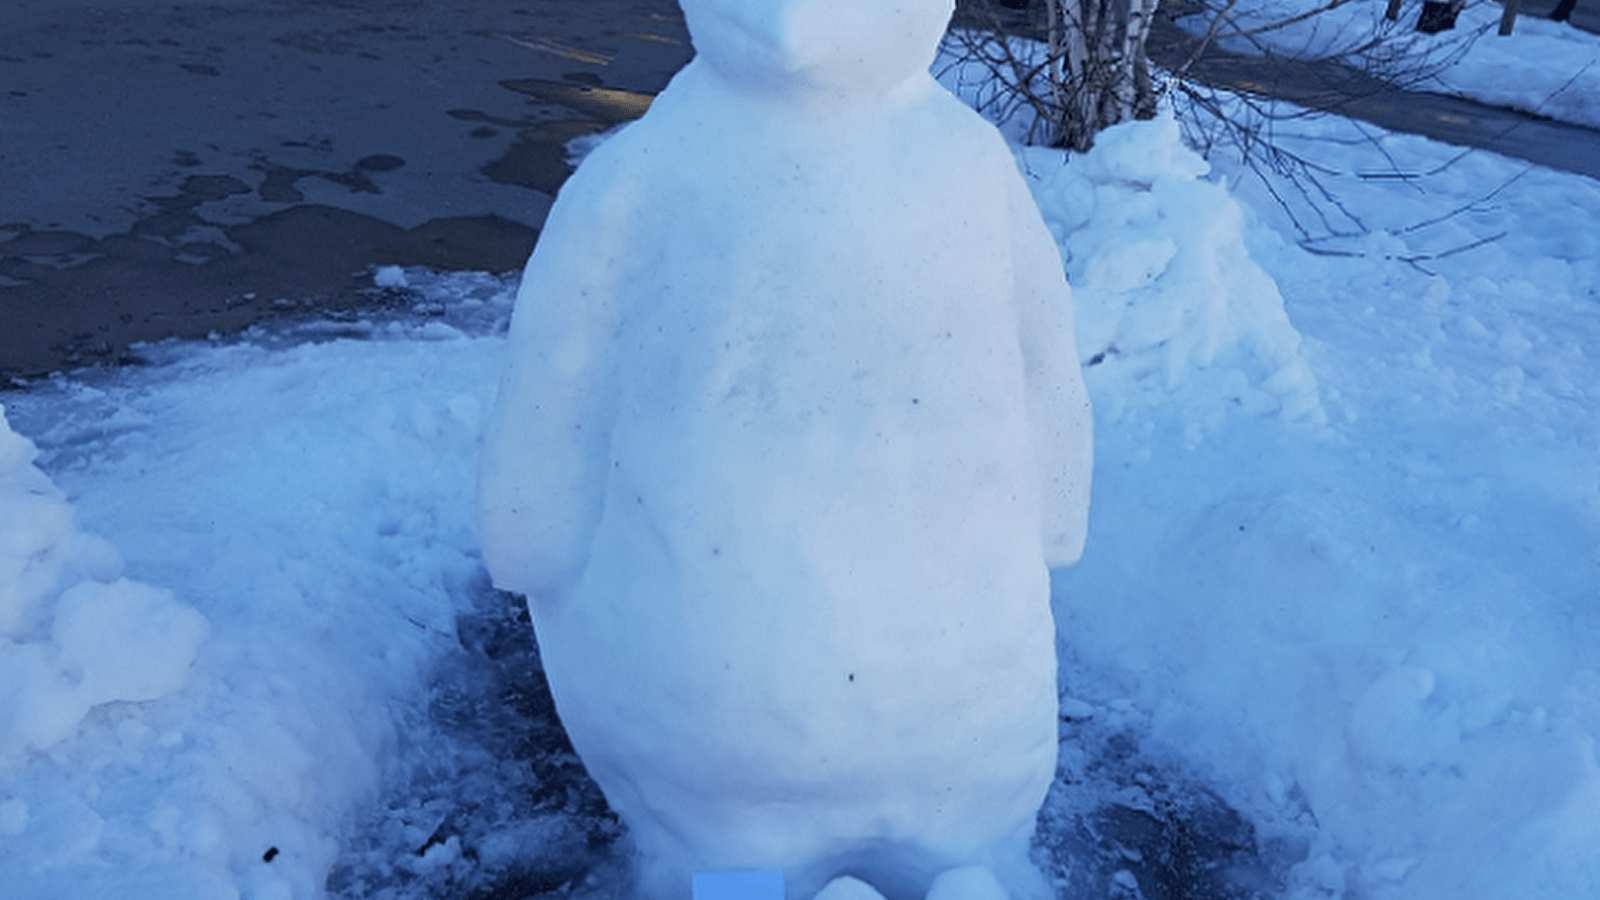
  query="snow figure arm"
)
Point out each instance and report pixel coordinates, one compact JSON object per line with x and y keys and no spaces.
{"x":1058,"y":403}
{"x":541,"y":479}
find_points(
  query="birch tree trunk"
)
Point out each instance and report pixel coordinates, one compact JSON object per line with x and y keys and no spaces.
{"x":1093,"y":74}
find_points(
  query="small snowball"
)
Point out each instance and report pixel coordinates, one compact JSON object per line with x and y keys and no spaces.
{"x":126,"y":640}
{"x":848,"y":888}
{"x":967,"y":883}
{"x":1144,"y":151}
{"x":509,"y":844}
{"x":439,"y":331}
{"x":437,"y":855}
{"x":390,"y":277}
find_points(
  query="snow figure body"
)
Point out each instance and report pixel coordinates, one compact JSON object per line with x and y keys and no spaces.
{"x":791,"y":427}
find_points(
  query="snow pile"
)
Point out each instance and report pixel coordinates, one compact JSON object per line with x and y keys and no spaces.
{"x":1162,"y":282}
{"x":314,"y":503}
{"x":1378,"y":636}
{"x":73,"y":635}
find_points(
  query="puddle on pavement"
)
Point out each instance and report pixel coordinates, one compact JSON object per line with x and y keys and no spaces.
{"x":78,"y":300}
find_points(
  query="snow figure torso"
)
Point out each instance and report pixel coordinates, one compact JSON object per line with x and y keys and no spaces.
{"x":791,"y":428}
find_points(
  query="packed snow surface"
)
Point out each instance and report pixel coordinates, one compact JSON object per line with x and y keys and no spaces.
{"x":1334,"y":633}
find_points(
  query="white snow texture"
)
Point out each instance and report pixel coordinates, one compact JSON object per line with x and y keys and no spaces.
{"x":792,"y":426}
{"x":1372,"y":633}
{"x":73,"y":635}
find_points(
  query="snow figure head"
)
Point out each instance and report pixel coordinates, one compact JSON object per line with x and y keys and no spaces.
{"x":840,"y":48}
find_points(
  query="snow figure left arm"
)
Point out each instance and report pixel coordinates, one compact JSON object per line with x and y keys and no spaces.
{"x":557,"y":401}
{"x":1058,"y":402}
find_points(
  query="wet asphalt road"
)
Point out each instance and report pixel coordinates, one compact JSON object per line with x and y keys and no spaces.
{"x":189,"y":166}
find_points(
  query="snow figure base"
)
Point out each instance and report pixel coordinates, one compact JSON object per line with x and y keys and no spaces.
{"x":791,"y":428}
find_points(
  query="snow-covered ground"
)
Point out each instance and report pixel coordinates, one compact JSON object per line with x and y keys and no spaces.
{"x":1336,"y":633}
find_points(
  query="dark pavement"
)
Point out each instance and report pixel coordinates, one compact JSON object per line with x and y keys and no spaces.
{"x":191,"y":166}
{"x":185,"y":167}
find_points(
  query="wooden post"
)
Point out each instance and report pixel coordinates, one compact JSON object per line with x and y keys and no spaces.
{"x":1508,"y":16}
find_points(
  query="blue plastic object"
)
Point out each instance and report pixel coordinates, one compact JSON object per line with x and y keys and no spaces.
{"x":739,"y":886}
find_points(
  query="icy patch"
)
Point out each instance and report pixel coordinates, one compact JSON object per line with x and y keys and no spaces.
{"x":484,"y":795}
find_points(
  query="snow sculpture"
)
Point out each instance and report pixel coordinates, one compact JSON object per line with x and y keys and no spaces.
{"x":791,"y":427}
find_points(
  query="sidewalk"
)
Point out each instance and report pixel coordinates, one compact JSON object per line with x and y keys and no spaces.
{"x":1330,"y":87}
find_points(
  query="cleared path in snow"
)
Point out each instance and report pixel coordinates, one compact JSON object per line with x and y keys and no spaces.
{"x":1331,"y":87}
{"x":189,"y":169}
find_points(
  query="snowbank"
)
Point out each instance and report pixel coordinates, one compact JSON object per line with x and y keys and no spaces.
{"x":313,"y":503}
{"x":1376,"y":636}
{"x":73,"y":635}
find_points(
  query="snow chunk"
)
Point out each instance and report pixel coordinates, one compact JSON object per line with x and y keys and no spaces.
{"x":109,"y":639}
{"x":390,"y":277}
{"x":1162,"y":282}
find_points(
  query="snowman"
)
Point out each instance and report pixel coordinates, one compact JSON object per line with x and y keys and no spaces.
{"x":790,"y":432}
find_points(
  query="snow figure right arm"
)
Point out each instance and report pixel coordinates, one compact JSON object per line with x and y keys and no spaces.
{"x":1058,"y":402}
{"x":541,"y":479}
